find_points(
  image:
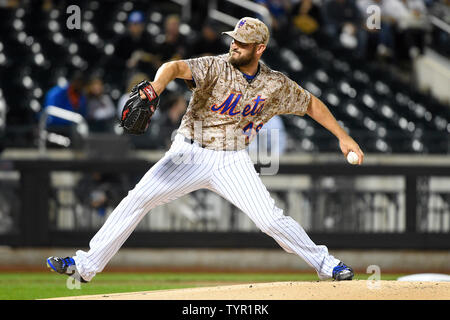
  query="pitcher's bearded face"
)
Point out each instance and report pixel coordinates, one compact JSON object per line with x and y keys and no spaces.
{"x":241,"y":54}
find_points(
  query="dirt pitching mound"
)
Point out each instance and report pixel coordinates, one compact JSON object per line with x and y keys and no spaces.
{"x":326,"y":290}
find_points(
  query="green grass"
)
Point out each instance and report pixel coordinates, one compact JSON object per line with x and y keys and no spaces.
{"x":25,"y":286}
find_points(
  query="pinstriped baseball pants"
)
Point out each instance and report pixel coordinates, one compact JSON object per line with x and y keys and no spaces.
{"x":185,"y":168}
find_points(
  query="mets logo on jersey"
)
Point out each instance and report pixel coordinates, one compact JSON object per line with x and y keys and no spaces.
{"x":228,"y":107}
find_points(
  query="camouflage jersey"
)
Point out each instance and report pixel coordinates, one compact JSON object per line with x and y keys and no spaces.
{"x":226,"y":110}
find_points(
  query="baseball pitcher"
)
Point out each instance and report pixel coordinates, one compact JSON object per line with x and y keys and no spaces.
{"x":234,"y":95}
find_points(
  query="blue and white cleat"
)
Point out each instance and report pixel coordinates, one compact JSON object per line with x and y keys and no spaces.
{"x":64,"y":266}
{"x":342,"y":272}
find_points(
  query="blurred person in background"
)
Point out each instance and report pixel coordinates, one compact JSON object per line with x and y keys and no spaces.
{"x":306,"y":16}
{"x":69,"y":97}
{"x":209,"y":42}
{"x":100,"y":107}
{"x":173,"y":47}
{"x":412,"y":24}
{"x":280,"y":11}
{"x":377,"y":42}
{"x":134,"y":47}
{"x":343,"y":22}
{"x":403,"y":23}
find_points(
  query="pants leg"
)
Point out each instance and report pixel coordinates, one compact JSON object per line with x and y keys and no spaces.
{"x":168,"y":179}
{"x":240,"y":184}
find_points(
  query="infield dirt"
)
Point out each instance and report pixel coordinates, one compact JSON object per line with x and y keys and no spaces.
{"x":325,"y":290}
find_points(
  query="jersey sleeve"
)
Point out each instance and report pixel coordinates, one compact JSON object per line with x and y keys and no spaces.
{"x":204,"y":70}
{"x":293,"y":98}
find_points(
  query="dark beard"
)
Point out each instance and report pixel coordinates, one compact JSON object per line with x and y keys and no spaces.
{"x":242,"y":61}
{"x":239,"y":62}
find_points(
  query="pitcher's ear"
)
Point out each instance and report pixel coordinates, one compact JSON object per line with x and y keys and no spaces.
{"x":261,"y":47}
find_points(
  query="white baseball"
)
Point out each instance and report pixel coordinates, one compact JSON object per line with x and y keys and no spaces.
{"x":352,"y":157}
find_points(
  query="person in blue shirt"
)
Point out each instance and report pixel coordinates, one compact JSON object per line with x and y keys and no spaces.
{"x":69,"y":97}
